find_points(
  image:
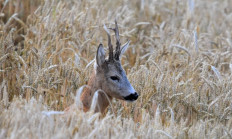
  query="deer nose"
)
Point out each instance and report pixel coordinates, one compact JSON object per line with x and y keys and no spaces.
{"x":132,"y":97}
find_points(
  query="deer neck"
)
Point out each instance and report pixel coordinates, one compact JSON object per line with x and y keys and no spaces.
{"x":88,"y":93}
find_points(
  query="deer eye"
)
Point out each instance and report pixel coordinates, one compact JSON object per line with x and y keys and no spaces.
{"x":115,"y":78}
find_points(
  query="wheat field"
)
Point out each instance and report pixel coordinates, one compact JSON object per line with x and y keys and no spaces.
{"x":179,"y":61}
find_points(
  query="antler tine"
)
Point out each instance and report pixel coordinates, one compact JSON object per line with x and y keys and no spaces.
{"x":109,"y":43}
{"x":118,"y":44}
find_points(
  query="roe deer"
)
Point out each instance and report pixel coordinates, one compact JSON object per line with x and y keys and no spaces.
{"x":109,"y":77}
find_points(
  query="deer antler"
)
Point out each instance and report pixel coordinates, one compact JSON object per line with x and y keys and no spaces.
{"x":118,"y":44}
{"x":109,"y":44}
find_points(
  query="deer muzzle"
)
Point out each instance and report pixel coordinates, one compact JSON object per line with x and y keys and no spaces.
{"x":132,"y":97}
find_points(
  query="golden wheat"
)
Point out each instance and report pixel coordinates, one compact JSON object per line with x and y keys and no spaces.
{"x":180,"y":62}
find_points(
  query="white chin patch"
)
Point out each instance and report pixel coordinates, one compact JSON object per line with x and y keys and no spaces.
{"x":130,"y":101}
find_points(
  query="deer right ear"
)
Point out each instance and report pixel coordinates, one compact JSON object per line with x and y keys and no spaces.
{"x":100,"y":58}
{"x":124,"y":48}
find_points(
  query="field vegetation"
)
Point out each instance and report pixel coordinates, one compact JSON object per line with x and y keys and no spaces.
{"x":179,"y":61}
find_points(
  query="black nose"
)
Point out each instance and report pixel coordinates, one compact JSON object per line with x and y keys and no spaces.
{"x":132,"y":97}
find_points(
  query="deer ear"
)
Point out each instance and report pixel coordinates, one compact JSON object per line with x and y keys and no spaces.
{"x":124,"y":48}
{"x":100,"y":58}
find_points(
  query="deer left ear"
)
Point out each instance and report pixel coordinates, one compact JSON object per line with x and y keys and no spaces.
{"x":124,"y":48}
{"x":100,"y":58}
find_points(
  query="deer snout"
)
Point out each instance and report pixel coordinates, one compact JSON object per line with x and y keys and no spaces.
{"x":132,"y":97}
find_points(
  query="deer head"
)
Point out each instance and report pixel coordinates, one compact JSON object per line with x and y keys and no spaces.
{"x":110,"y":75}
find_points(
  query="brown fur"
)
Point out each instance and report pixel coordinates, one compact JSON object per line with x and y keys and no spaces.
{"x":88,"y":93}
